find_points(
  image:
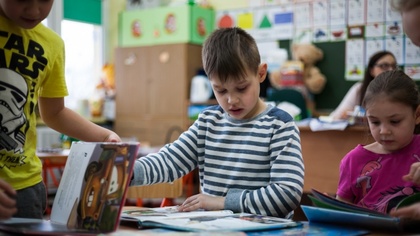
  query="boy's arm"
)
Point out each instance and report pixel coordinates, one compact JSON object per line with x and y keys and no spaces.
{"x":66,"y":121}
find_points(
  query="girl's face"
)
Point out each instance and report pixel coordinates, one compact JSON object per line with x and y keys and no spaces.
{"x":384,"y":63}
{"x":240,"y":99}
{"x":391,"y":123}
{"x":26,"y":13}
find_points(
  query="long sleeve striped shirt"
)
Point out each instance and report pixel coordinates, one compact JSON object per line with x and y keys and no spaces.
{"x":255,"y":164}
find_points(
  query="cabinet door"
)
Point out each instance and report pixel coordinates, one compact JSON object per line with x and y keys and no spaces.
{"x":169,"y":80}
{"x":132,"y":81}
{"x":154,"y":132}
{"x":172,"y":67}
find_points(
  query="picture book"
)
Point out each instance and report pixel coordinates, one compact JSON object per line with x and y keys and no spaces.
{"x":327,"y":209}
{"x":214,"y":221}
{"x":91,"y":192}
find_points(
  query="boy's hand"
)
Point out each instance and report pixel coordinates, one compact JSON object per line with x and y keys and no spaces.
{"x":202,"y":201}
{"x":414,"y":174}
{"x":7,"y":200}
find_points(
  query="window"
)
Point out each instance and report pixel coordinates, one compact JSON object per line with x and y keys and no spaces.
{"x":84,"y":47}
{"x":83,"y":43}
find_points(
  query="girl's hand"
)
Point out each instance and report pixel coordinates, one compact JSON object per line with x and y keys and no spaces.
{"x":414,"y":174}
{"x":202,"y":201}
{"x":7,"y":200}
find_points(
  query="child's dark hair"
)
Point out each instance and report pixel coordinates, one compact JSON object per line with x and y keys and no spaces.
{"x":397,"y":86}
{"x":230,"y":52}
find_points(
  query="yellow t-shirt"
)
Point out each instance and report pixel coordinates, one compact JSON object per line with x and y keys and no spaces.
{"x":31,"y":66}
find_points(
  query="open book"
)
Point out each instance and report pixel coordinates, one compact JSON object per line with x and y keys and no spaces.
{"x":327,"y":209}
{"x":223,"y":220}
{"x":91,"y":193}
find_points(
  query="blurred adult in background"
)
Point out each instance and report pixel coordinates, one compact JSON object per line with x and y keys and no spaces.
{"x":378,"y":63}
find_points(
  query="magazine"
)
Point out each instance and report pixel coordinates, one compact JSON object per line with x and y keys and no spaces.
{"x":201,"y":220}
{"x":91,"y":192}
{"x":327,"y":209}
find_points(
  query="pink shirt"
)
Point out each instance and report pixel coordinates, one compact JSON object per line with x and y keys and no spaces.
{"x":375,"y":180}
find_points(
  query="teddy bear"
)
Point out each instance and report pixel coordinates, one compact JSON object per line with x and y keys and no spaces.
{"x":301,"y":73}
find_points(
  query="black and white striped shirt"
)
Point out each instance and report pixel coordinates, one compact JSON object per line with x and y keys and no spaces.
{"x":256,"y":164}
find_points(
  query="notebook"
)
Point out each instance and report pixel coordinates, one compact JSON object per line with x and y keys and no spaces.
{"x":91,"y":193}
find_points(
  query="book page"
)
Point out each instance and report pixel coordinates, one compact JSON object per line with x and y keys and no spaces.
{"x":223,"y":220}
{"x":92,"y":190}
{"x":71,"y":182}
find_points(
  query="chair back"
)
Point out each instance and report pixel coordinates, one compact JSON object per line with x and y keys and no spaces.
{"x":161,"y":190}
{"x":292,"y":96}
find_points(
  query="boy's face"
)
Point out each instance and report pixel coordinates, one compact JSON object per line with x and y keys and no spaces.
{"x":240,"y":99}
{"x":26,"y":13}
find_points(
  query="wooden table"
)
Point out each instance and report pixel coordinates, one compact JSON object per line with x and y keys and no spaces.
{"x":322,"y":152}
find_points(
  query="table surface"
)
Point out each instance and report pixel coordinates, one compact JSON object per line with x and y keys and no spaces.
{"x":304,"y":229}
{"x":53,"y":153}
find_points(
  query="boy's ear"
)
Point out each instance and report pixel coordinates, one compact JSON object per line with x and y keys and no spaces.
{"x":262,"y":72}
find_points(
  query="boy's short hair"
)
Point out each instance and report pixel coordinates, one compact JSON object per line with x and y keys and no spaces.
{"x":230,"y":53}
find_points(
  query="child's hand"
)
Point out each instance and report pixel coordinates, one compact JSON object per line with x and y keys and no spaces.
{"x":7,"y":200}
{"x":414,"y":174}
{"x":411,"y":211}
{"x":113,"y":137}
{"x":202,"y":201}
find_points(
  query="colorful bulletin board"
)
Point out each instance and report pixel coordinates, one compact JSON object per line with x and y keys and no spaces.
{"x":348,"y":32}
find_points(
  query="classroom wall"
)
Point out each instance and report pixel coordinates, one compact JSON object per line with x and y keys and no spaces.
{"x":333,"y":65}
{"x":111,"y":9}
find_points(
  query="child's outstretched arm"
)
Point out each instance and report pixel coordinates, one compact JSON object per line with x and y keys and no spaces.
{"x":7,"y":200}
{"x":412,"y":212}
{"x":64,"y":120}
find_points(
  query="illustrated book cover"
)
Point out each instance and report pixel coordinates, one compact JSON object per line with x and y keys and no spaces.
{"x":91,"y":193}
{"x":222,"y":220}
{"x":327,"y":209}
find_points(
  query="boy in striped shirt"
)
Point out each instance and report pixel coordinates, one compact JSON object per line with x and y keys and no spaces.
{"x":248,"y":153}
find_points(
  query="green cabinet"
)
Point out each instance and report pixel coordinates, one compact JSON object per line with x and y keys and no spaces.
{"x":165,"y":25}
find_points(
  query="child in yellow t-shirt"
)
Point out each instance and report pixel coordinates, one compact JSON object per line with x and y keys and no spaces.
{"x":31,"y":74}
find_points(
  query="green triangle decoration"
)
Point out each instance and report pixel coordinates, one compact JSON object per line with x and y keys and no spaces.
{"x":265,"y":23}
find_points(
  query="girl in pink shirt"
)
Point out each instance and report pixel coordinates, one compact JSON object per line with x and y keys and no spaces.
{"x":375,"y":175}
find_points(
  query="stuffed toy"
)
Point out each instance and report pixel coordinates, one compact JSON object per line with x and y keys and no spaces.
{"x":301,"y":73}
